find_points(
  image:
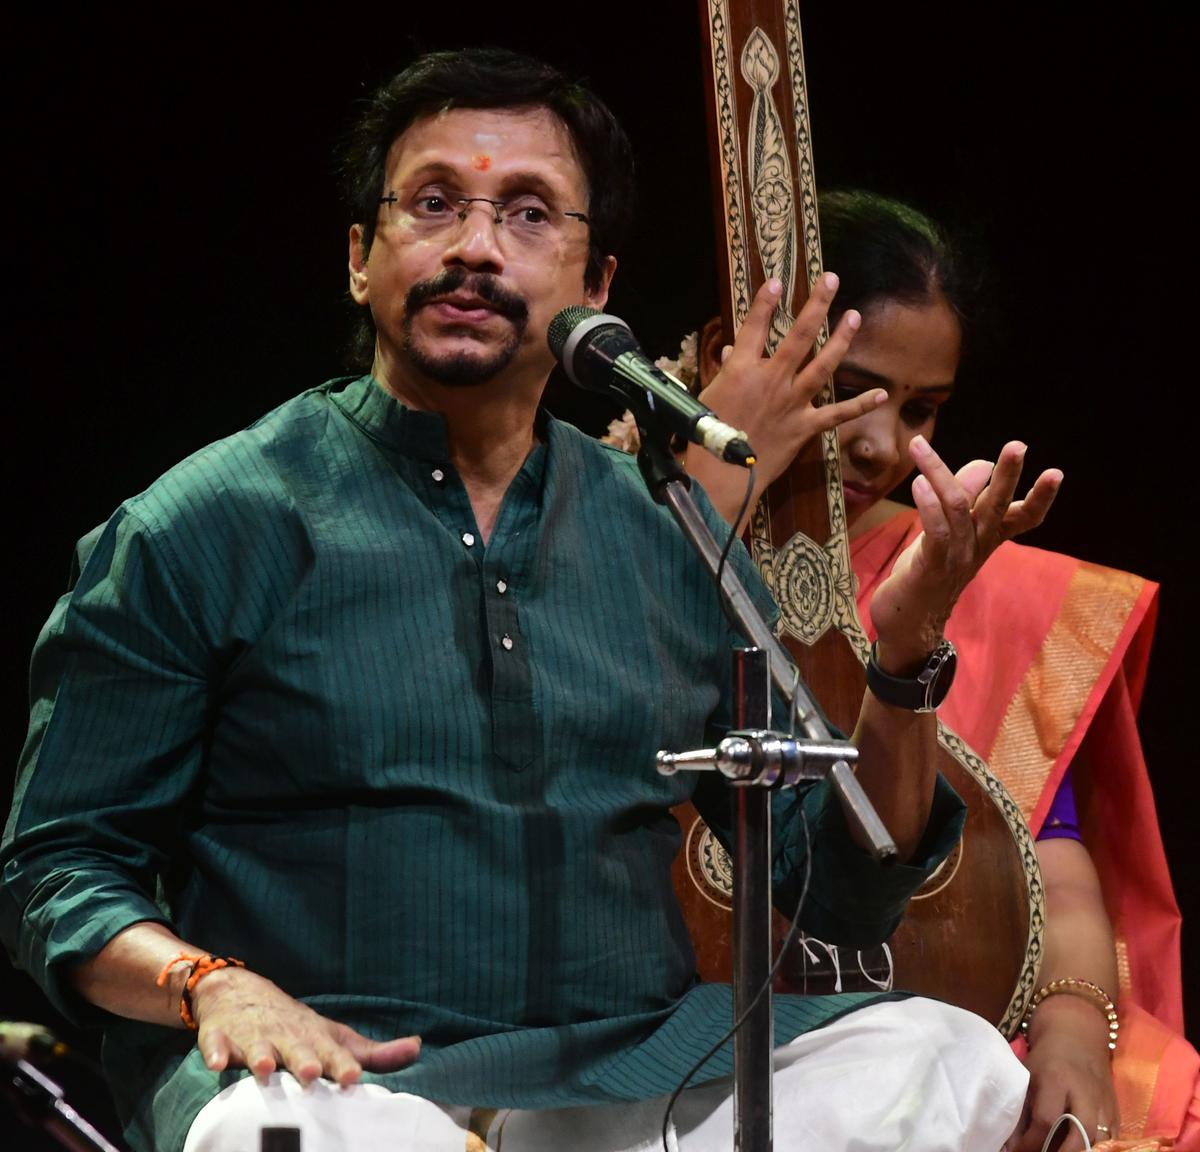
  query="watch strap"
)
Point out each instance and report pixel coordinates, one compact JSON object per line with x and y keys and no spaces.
{"x":921,"y":693}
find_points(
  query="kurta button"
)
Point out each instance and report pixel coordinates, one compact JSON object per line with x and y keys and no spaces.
{"x":438,"y":475}
{"x":506,"y":643}
{"x":501,"y":586}
{"x":468,"y":539}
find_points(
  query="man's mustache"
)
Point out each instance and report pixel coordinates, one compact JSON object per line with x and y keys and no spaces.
{"x":482,"y":284}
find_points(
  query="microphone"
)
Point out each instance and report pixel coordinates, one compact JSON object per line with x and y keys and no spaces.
{"x":21,"y":1041}
{"x":600,"y":353}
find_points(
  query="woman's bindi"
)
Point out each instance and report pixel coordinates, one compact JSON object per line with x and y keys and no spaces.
{"x":482,"y":162}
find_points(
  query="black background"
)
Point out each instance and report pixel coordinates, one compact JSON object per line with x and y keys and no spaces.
{"x":177,"y":258}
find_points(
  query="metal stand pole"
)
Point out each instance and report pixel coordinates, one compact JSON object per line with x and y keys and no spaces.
{"x":754,"y":670}
{"x":668,"y":484}
{"x":754,"y":1042}
{"x":40,"y":1102}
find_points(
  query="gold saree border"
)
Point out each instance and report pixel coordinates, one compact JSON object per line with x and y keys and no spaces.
{"x":1066,"y":674}
{"x":1071,"y":671}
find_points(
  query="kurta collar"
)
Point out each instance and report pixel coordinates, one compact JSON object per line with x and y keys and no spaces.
{"x":418,"y":435}
{"x":412,"y":433}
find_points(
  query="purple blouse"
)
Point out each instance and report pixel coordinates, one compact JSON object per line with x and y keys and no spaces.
{"x":1061,"y":821}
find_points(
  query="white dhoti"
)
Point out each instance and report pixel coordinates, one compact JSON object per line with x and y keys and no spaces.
{"x":902,"y":1076}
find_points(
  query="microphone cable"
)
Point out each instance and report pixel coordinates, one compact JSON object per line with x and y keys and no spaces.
{"x":794,"y":927}
{"x":728,"y":547}
{"x":1071,"y":1119}
{"x":762,"y":991}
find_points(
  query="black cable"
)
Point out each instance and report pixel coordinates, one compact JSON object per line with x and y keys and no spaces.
{"x":795,"y":924}
{"x":729,"y":545}
{"x":787,"y":943}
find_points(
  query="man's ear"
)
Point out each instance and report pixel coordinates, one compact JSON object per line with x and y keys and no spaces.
{"x":598,"y":298}
{"x":358,"y":265}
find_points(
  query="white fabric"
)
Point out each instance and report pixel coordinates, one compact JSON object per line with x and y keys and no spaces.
{"x":906,"y":1076}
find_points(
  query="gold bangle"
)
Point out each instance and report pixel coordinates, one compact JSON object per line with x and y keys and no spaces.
{"x":1074,"y":987}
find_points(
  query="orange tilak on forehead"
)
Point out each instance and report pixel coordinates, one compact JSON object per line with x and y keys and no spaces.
{"x":482,"y":162}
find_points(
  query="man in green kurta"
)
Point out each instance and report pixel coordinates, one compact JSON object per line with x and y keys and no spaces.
{"x":367,"y":695}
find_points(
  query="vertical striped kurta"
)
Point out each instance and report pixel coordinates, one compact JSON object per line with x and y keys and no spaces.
{"x":297,"y":710}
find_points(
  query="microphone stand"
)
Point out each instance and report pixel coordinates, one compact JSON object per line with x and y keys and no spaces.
{"x":755,"y":670}
{"x":40,"y":1102}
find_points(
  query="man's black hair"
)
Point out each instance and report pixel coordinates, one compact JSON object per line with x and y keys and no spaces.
{"x":490,"y":78}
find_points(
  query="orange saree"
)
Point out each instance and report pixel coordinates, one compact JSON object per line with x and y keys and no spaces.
{"x":1053,"y":654}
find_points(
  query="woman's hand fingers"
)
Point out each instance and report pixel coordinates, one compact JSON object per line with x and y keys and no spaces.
{"x":751,"y":339}
{"x":943,"y":502}
{"x":754,"y":335}
{"x":965,"y":517}
{"x":806,"y":384}
{"x":801,"y":338}
{"x":995,"y":498}
{"x":831,"y":415}
{"x":1023,"y":515}
{"x":985,"y":491}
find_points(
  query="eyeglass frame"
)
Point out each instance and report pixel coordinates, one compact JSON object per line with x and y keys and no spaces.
{"x":497,"y":205}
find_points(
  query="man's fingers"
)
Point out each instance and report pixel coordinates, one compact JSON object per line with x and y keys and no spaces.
{"x":300,"y":1058}
{"x":270,"y":1031}
{"x":393,"y":1054}
{"x":337,"y":1063}
{"x":261,"y":1058}
{"x":384,"y":1055}
{"x":216,"y":1049}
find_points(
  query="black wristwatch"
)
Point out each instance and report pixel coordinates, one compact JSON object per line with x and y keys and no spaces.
{"x":920,"y":693}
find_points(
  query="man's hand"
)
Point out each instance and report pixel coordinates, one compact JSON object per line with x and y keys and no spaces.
{"x":248,"y":1021}
{"x":771,"y":399}
{"x":244,"y":1019}
{"x":965,"y":517}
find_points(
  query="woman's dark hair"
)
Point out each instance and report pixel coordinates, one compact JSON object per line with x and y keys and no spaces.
{"x":492,"y":78}
{"x":884,"y":249}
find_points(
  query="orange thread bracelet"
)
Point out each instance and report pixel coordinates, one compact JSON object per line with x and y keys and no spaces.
{"x":201,"y":965}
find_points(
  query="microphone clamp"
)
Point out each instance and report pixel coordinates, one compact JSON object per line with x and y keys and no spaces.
{"x":768,"y":759}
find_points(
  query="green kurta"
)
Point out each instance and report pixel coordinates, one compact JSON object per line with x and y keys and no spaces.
{"x":295,"y":709}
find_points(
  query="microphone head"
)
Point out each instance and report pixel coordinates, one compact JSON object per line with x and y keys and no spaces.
{"x":564,"y":324}
{"x":575,"y":330}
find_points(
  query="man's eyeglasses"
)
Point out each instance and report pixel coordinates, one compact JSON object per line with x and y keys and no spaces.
{"x":526,"y":220}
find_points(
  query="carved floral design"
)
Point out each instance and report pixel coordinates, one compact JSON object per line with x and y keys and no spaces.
{"x":770,"y":173}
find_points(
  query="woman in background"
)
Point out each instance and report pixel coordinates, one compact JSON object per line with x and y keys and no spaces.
{"x":1053,"y":661}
